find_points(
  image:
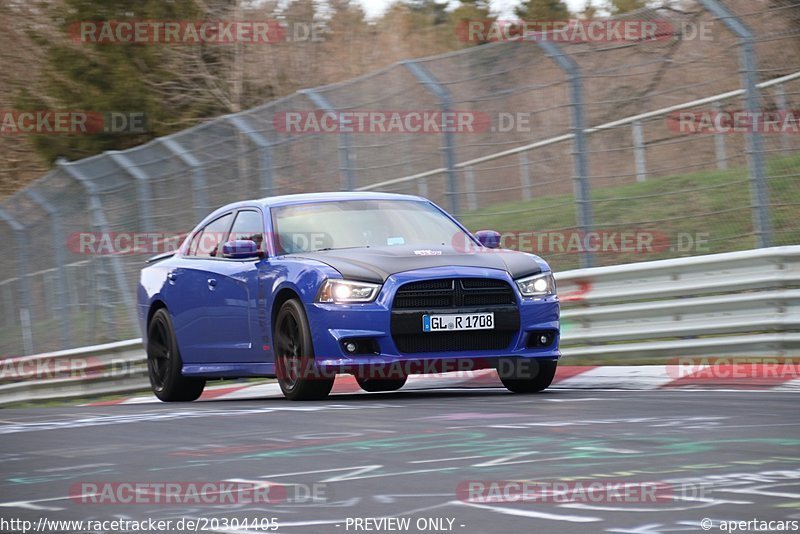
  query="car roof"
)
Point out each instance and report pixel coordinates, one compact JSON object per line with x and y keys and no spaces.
{"x":304,"y":198}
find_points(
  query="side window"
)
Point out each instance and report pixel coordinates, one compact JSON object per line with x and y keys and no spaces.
{"x":249,"y":225}
{"x":211,"y":239}
{"x":191,"y":249}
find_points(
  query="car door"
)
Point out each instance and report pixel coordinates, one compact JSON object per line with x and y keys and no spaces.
{"x":188,"y":294}
{"x":240,"y":277}
{"x":216,"y":328}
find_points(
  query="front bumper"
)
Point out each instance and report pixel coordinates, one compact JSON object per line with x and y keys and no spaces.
{"x":333,"y":324}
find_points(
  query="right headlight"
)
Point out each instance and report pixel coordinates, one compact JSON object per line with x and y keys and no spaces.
{"x":339,"y":291}
{"x":539,"y":285}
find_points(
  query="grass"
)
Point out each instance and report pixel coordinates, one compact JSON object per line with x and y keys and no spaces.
{"x":712,"y":205}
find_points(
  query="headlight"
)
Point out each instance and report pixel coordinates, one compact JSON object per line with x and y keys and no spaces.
{"x":344,"y":291}
{"x":537,"y":286}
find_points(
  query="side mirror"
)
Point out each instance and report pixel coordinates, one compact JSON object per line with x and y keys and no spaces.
{"x":241,"y":249}
{"x":488,"y":238}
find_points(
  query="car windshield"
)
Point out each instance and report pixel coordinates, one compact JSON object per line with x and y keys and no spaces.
{"x":361,"y":223}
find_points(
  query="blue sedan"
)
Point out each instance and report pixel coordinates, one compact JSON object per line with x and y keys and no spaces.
{"x":381,"y":286}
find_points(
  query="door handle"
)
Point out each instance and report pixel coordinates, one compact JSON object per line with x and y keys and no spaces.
{"x":212,"y":283}
{"x":172,"y":277}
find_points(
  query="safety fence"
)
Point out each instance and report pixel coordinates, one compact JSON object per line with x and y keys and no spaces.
{"x":585,"y":144}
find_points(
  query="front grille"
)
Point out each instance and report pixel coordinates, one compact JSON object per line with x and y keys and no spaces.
{"x":453,"y":293}
{"x":453,"y":341}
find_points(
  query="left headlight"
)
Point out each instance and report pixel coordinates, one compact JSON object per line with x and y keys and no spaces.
{"x":346,"y":291}
{"x":539,"y":285}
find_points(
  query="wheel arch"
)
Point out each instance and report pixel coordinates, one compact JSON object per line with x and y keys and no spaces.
{"x":284,"y":294}
{"x":156,"y":305}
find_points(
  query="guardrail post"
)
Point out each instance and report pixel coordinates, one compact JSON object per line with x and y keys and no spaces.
{"x":525,"y":176}
{"x":780,"y":98}
{"x":201,"y":208}
{"x":583,"y":197}
{"x":89,"y":283}
{"x":755,"y":143}
{"x":143,"y":193}
{"x":100,"y":221}
{"x":448,"y":143}
{"x":719,"y":143}
{"x":346,"y":154}
{"x":264,"y":151}
{"x":59,"y":245}
{"x":24,"y":281}
{"x":639,"y":152}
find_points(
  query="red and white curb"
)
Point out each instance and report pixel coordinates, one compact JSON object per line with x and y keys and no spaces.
{"x":639,"y":377}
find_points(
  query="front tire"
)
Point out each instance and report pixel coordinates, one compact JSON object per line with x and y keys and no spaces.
{"x":294,"y":355}
{"x":164,"y":363}
{"x":527,"y":376}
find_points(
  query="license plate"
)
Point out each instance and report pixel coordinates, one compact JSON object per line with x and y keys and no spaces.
{"x":461,"y":321}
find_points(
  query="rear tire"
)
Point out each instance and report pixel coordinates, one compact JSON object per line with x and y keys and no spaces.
{"x":381,"y":384}
{"x":533,"y":377}
{"x":164,"y":363}
{"x":294,"y":355}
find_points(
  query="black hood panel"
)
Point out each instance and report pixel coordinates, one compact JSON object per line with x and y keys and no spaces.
{"x":377,"y":264}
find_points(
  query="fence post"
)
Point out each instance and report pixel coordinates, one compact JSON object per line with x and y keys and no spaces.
{"x":448,"y":143}
{"x":639,"y":152}
{"x":525,"y":176}
{"x":198,"y":175}
{"x":264,"y":151}
{"x":8,"y":303}
{"x":59,"y":245}
{"x":24,"y":281}
{"x":780,"y":97}
{"x":469,"y":183}
{"x":755,"y":142}
{"x":143,"y":193}
{"x":101,"y":222}
{"x":346,"y":154}
{"x":719,"y":143}
{"x":583,"y":197}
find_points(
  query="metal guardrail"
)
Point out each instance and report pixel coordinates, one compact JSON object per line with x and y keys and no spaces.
{"x":111,"y":368}
{"x":735,"y":304}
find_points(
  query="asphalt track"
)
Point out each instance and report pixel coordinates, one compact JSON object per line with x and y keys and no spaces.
{"x":718,"y":455}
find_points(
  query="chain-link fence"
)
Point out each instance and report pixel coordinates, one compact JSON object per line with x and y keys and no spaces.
{"x":588,"y":161}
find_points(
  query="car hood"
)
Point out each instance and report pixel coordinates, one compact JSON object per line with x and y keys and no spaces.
{"x":377,"y":264}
